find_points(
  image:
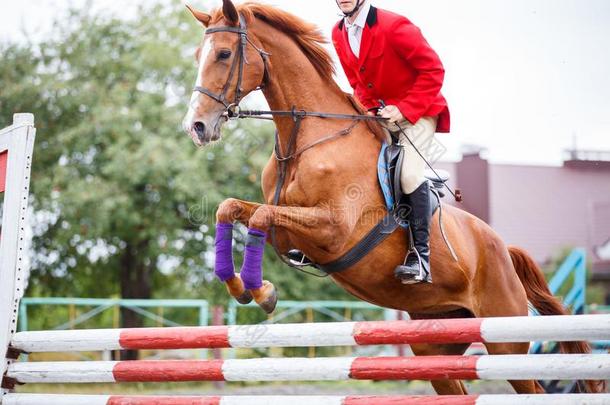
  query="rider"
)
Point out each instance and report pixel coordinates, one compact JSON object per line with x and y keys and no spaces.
{"x":387,"y":60}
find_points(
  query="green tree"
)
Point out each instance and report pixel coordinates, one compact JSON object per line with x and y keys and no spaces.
{"x":124,"y":203}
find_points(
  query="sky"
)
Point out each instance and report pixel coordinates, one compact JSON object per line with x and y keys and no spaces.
{"x":525,"y":79}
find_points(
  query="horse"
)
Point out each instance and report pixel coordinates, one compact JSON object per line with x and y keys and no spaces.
{"x":322,"y":193}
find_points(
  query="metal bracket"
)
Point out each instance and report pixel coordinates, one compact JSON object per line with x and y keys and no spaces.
{"x":9,"y":383}
{"x":13,"y":354}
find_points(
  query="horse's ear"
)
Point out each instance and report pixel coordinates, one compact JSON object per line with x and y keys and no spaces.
{"x":230,"y":12}
{"x":200,"y":16}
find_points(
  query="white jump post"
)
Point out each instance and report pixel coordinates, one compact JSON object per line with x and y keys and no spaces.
{"x":16,"y":147}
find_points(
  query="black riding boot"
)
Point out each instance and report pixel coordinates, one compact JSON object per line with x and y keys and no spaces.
{"x":416,"y":268}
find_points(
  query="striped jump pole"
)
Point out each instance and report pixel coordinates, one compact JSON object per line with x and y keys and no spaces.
{"x":492,"y":330}
{"x":559,"y":399}
{"x":502,"y":367}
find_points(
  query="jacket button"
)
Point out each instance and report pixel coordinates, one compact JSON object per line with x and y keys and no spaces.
{"x":370,"y":85}
{"x":362,"y":69}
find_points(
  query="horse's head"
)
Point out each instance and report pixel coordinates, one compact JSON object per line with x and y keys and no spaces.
{"x":231,"y":65}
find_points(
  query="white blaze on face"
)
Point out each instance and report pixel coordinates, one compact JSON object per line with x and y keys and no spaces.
{"x":203,"y":56}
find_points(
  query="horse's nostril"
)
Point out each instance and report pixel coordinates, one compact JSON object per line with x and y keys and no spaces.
{"x":199,"y":128}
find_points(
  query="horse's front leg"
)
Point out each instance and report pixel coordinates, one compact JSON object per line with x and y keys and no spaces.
{"x":317,"y":225}
{"x":230,"y":211}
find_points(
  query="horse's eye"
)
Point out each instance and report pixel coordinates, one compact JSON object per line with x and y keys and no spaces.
{"x":224,"y":54}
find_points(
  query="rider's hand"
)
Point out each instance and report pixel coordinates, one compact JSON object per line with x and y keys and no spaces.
{"x":392,"y":113}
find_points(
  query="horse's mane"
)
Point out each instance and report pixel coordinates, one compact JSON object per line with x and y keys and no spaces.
{"x":306,"y":35}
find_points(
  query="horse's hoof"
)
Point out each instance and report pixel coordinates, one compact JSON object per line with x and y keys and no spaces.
{"x":245,"y":298}
{"x":236,"y":288}
{"x":269,"y":304}
{"x":266,"y":297}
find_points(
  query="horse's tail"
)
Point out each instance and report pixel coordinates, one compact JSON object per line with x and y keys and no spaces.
{"x":546,"y":303}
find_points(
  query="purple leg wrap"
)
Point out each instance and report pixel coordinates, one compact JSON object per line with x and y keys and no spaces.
{"x":223,"y":267}
{"x":252,"y":269}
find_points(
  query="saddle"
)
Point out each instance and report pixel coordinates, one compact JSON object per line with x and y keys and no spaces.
{"x":391,"y":159}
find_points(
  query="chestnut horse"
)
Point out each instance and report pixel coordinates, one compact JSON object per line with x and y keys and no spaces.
{"x":331,"y":198}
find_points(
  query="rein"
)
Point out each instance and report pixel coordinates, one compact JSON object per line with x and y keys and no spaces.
{"x":262,"y":114}
{"x":283,"y":160}
{"x":232,"y":108}
{"x":235,"y":112}
{"x":327,"y":138}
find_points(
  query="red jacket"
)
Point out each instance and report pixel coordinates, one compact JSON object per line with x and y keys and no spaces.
{"x":397,"y":65}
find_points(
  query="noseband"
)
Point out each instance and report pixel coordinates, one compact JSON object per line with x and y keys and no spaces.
{"x":238,"y":64}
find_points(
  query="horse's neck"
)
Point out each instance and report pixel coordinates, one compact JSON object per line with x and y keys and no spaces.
{"x":304,"y":89}
{"x":294,"y":82}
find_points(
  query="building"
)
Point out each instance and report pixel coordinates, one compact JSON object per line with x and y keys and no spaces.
{"x":542,"y":208}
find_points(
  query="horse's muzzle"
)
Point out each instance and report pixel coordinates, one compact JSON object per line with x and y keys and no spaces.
{"x":203,"y":131}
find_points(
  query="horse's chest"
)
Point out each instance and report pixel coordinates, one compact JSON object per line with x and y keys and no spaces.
{"x":305,"y":183}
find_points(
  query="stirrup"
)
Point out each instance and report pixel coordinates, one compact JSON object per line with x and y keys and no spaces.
{"x":298,"y":258}
{"x":423,"y":275}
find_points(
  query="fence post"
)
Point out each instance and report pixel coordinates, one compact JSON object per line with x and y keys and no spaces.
{"x":16,"y":147}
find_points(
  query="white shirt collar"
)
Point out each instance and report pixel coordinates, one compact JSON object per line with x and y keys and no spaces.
{"x":360,"y":20}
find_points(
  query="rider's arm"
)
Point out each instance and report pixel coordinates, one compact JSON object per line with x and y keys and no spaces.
{"x":408,"y":40}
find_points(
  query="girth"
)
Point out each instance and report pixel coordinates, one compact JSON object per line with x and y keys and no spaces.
{"x":396,"y":217}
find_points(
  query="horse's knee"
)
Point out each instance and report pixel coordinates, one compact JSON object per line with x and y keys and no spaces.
{"x":228,"y":211}
{"x":262,"y":218}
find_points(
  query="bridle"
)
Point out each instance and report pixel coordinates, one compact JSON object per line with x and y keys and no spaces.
{"x":232,"y":107}
{"x":239,"y":61}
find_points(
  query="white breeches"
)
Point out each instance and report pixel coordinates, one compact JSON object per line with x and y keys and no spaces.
{"x":421,"y":135}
